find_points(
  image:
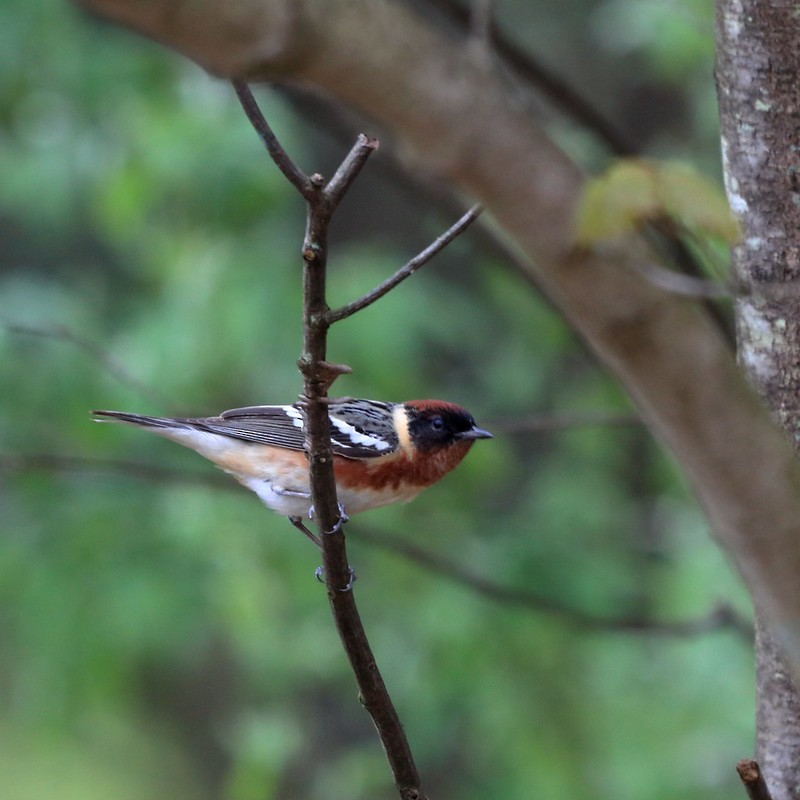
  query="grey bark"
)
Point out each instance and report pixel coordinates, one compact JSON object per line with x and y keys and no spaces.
{"x":758,"y":75}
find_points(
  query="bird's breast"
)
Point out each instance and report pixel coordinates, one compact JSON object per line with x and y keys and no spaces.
{"x":400,"y":470}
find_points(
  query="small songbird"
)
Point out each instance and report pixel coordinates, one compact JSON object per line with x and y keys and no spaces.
{"x":384,"y":453}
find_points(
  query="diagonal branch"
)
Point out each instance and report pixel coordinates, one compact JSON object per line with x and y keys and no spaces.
{"x":282,"y":160}
{"x":408,"y":269}
{"x":348,"y":170}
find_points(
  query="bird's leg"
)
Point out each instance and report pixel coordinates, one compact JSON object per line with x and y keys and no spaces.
{"x":298,"y":523}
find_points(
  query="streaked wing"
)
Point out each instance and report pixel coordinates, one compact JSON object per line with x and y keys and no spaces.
{"x":359,"y":428}
{"x":279,"y":426}
{"x":362,"y":428}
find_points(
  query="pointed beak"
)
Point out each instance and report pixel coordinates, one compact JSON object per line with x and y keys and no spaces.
{"x":474,"y":433}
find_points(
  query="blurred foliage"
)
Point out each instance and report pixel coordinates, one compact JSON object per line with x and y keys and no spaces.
{"x":633,"y":192}
{"x":166,"y":638}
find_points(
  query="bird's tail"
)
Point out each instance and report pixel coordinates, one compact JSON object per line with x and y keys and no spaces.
{"x":137,"y":419}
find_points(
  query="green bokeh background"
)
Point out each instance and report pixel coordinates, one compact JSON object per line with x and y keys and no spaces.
{"x":165,"y":638}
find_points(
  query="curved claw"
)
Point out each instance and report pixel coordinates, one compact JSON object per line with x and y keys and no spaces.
{"x":353,"y":578}
{"x":319,"y":574}
{"x":337,"y":527}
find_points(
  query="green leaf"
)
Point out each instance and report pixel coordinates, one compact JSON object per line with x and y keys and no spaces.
{"x":634,"y":192}
{"x":697,"y":203}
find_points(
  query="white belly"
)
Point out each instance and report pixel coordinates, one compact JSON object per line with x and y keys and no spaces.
{"x":296,"y":501}
{"x":284,"y":500}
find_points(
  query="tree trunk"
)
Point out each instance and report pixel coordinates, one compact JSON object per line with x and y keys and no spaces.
{"x":758,"y":75}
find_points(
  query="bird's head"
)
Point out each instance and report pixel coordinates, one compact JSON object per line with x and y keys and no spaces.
{"x":434,"y":424}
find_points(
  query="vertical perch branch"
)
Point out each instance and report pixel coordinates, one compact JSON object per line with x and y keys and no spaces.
{"x":318,"y":374}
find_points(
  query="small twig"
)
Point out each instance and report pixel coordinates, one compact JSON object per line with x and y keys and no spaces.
{"x":408,"y":269}
{"x":348,"y":171}
{"x":753,"y":780}
{"x":64,"y":334}
{"x":687,"y":285}
{"x":293,"y":173}
{"x":671,"y":240}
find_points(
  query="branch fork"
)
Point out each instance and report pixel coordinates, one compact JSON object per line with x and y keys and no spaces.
{"x":322,"y":199}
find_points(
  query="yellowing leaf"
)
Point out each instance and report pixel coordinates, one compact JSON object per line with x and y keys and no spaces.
{"x":616,"y":202}
{"x":634,"y":192}
{"x":697,"y":203}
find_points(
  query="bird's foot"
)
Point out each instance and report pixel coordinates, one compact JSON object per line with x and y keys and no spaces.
{"x":319,"y":574}
{"x":337,"y":527}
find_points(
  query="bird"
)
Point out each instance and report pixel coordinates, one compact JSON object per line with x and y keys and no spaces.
{"x":383,"y":453}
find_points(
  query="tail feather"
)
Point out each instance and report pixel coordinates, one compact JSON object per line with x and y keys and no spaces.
{"x":138,"y":419}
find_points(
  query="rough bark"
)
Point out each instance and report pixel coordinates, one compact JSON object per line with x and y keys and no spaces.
{"x":758,"y":74}
{"x":463,"y":121}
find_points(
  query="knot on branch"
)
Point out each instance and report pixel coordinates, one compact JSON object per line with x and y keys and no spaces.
{"x":753,"y":780}
{"x":311,"y":253}
{"x":321,"y":373}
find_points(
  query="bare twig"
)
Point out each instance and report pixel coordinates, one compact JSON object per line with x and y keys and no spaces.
{"x":293,"y":173}
{"x":348,"y":171}
{"x":408,"y":269}
{"x":317,"y":374}
{"x":753,"y":780}
{"x":687,"y":285}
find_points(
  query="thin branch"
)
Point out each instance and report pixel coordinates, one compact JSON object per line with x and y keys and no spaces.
{"x":686,"y":285}
{"x":408,"y":269}
{"x":282,"y":160}
{"x":722,"y":617}
{"x":63,"y":333}
{"x":753,"y":780}
{"x":318,"y":374}
{"x":671,"y":241}
{"x":348,"y":170}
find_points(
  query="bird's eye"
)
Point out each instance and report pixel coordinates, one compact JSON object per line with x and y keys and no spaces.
{"x":437,"y":423}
